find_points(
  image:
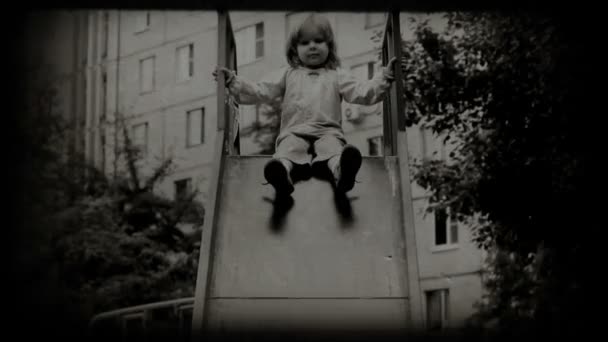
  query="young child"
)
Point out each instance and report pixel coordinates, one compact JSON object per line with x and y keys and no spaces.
{"x":310,"y":91}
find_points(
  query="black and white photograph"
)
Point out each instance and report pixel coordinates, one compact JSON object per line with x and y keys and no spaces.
{"x":340,"y":174}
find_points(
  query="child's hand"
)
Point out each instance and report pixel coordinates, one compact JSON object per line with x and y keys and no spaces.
{"x":228,"y":74}
{"x":388,"y":70}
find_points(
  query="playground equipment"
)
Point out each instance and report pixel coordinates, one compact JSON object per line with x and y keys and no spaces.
{"x":320,"y":263}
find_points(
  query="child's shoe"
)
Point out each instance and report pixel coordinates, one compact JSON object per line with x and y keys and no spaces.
{"x":345,"y":173}
{"x":277,"y":175}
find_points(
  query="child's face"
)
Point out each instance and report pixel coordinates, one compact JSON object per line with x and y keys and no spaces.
{"x":312,"y":48}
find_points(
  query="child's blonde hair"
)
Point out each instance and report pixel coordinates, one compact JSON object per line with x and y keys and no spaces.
{"x":324,"y":26}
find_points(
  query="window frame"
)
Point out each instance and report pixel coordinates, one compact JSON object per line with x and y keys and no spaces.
{"x":202,"y":137}
{"x":144,"y":149}
{"x":451,"y":226}
{"x":260,"y":40}
{"x":104,"y":94}
{"x":432,"y":146}
{"x":370,"y":68}
{"x":106,"y":34}
{"x":368,"y":24}
{"x":152,"y":76}
{"x":189,"y":62}
{"x":187,"y":191}
{"x":444,"y":301}
{"x":141,"y":24}
{"x":255,"y":42}
{"x":380,"y":145}
{"x":246,"y":110}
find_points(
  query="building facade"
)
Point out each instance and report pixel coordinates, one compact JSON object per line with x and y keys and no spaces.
{"x":151,"y":71}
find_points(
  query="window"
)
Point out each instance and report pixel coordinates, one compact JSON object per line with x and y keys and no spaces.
{"x":374,"y":19}
{"x":425,"y":141}
{"x":182,"y":189}
{"x":446,"y":229}
{"x":104,"y":93}
{"x":437,"y":309}
{"x":249,"y":114}
{"x":376,"y":145}
{"x":295,"y":19}
{"x":146,"y":74}
{"x":363,"y":71}
{"x":142,"y":21}
{"x":102,"y":116}
{"x":432,"y":146}
{"x":185,"y":62}
{"x":249,"y":43}
{"x":140,"y":137}
{"x":356,"y":113}
{"x":105,"y":33}
{"x":259,"y":40}
{"x":195,"y":127}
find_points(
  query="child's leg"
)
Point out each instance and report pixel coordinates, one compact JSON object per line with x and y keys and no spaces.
{"x":328,"y":149}
{"x":343,"y":160}
{"x":294,"y":149}
{"x":333,"y":164}
{"x":277,"y":171}
{"x":347,"y":168}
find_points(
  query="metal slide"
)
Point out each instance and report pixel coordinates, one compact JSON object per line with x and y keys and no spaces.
{"x":319,"y":263}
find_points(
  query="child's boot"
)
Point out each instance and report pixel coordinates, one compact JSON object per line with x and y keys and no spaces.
{"x":347,"y":168}
{"x":277,"y":175}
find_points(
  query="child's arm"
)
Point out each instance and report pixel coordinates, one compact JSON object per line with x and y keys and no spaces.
{"x":248,"y":92}
{"x":366,"y":92}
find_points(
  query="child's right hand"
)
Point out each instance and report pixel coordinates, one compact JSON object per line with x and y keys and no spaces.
{"x":228,"y":74}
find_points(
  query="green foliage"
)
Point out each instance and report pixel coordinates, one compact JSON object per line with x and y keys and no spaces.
{"x":123,"y":246}
{"x":501,"y":87}
{"x":98,"y":242}
{"x":266,"y":129}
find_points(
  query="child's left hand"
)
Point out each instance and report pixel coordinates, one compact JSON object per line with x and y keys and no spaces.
{"x":228,"y":74}
{"x":389,"y":73}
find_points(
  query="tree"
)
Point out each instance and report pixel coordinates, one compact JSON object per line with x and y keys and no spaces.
{"x":506,"y":90}
{"x":121,"y":244}
{"x":266,"y":129}
{"x":96,"y":242}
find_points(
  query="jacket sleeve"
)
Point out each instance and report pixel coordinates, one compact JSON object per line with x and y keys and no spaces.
{"x":364,"y":92}
{"x":264,"y":91}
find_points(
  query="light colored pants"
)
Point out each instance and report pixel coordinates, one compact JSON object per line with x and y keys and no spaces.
{"x":307,"y":149}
